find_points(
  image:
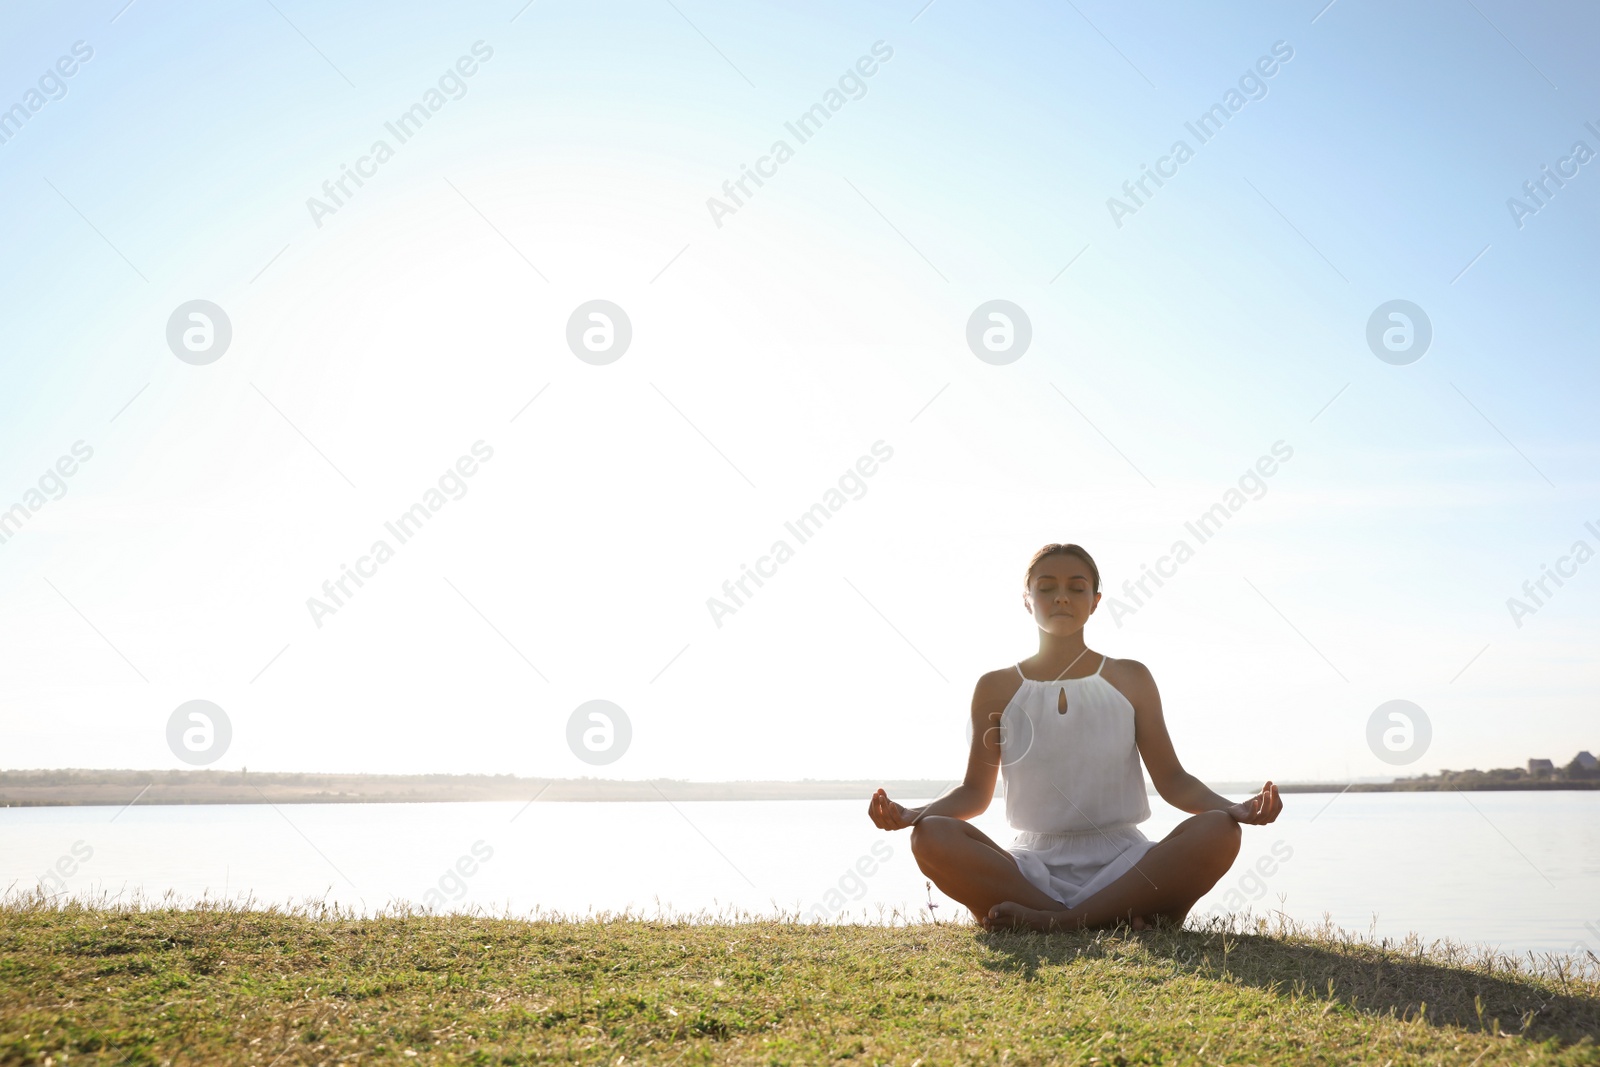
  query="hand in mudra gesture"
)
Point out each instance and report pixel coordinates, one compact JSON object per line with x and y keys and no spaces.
{"x":888,"y":815}
{"x":1259,"y":809}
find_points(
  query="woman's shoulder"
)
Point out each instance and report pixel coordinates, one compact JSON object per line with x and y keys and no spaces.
{"x":999,"y":678}
{"x":1130,"y":668}
{"x":1132,"y":679}
{"x":996,"y":687}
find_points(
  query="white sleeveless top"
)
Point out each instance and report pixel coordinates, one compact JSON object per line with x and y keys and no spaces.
{"x":1072,"y":772}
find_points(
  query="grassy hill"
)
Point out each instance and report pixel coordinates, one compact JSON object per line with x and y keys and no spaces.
{"x":146,"y":985}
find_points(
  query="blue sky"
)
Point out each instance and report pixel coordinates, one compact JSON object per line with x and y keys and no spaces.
{"x":829,"y":312}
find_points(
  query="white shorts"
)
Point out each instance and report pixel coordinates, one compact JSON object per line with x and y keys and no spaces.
{"x":1072,"y":867}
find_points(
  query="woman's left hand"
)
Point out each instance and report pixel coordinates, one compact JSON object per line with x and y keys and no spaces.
{"x":1259,"y":809}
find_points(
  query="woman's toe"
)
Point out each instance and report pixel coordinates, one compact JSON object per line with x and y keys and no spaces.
{"x":1006,"y":913}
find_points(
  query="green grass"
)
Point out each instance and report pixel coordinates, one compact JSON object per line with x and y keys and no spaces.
{"x":148,"y":984}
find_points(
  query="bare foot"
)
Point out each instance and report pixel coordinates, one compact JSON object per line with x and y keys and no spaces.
{"x":1139,"y":923}
{"x":1013,"y":916}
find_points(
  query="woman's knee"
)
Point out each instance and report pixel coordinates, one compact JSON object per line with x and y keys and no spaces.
{"x":929,"y":831}
{"x":1224,"y":831}
{"x":1219,"y":833}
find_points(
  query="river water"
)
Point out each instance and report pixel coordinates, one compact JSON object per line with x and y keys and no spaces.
{"x":1520,"y":871}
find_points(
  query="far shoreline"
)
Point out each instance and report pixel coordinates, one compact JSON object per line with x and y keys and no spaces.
{"x":85,"y":787}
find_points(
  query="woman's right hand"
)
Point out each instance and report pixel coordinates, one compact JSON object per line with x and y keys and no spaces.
{"x":888,"y":815}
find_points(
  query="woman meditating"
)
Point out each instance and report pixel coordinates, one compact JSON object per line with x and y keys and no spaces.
{"x":1067,"y":727}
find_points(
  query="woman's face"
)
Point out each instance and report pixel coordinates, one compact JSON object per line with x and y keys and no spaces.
{"x":1061,"y":594}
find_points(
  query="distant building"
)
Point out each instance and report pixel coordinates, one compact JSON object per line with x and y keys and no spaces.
{"x":1540,"y":767}
{"x":1586,"y":760}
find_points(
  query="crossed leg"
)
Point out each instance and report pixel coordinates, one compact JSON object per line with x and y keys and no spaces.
{"x":968,"y":866}
{"x":1160,"y":888}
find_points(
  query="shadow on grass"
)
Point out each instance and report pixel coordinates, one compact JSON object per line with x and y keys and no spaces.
{"x":1443,"y":984}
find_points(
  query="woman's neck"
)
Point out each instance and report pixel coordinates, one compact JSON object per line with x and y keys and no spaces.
{"x":1058,"y":654}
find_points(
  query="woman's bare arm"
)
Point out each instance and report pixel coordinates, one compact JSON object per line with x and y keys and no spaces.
{"x":1177,"y":786}
{"x":976,"y":790}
